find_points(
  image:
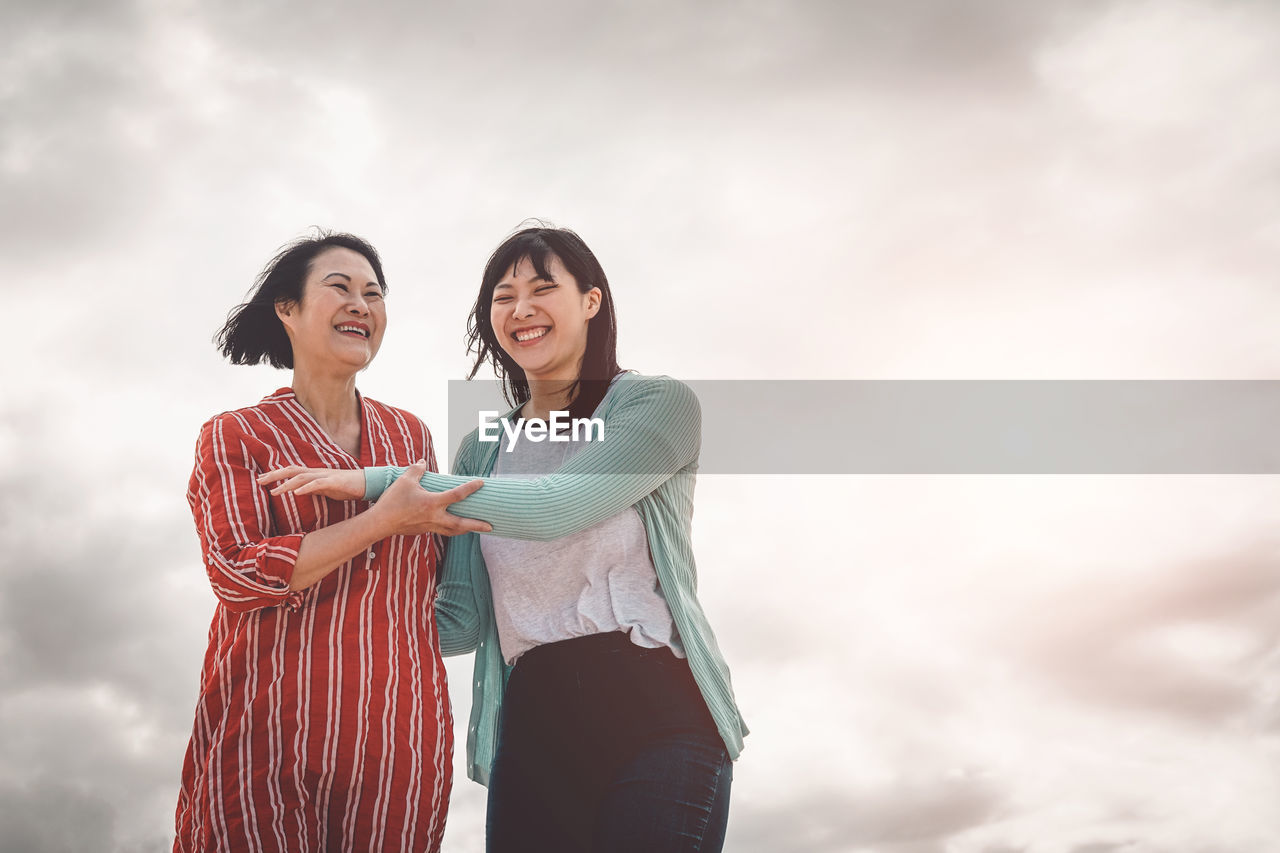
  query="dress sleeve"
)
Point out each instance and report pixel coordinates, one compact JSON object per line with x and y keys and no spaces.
{"x":653,"y":431}
{"x":248,"y":566}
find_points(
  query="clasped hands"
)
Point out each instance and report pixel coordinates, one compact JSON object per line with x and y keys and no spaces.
{"x":405,"y":508}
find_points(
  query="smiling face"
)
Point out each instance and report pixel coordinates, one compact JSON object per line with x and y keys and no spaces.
{"x":342,"y":316}
{"x":542,"y":322}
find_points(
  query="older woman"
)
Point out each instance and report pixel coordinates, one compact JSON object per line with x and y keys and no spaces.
{"x":322,"y":721}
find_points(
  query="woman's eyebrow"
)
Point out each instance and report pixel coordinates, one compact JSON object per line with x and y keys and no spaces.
{"x":332,"y":274}
{"x":505,"y":283}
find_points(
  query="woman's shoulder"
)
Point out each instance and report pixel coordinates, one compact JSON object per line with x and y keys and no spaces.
{"x":632,"y":379}
{"x":658,"y":391}
{"x":249,"y":419}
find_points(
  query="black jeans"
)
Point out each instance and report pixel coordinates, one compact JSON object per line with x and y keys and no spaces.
{"x":606,"y":747}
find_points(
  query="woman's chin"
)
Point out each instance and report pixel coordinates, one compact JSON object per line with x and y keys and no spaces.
{"x":350,"y":360}
{"x":530,"y":366}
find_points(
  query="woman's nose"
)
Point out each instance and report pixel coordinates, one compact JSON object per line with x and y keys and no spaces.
{"x":358,"y":305}
{"x":522,"y":309}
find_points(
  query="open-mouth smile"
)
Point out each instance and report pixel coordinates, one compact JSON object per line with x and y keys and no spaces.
{"x":525,"y":336}
{"x":351,"y":329}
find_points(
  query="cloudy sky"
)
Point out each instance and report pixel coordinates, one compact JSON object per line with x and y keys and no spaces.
{"x":782,"y":190}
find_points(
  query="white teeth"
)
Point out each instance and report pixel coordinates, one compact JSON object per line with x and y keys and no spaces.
{"x":355,"y":329}
{"x":530,"y":334}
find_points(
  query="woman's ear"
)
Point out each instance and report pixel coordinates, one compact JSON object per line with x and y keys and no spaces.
{"x":285,"y":309}
{"x":593,"y":301}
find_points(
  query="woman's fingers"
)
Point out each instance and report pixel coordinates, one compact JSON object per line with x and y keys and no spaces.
{"x":293,"y":483}
{"x":338,"y":484}
{"x":299,"y":481}
{"x":453,"y":525}
{"x":457,"y":493}
{"x":410,"y":480}
{"x":470,"y":525}
{"x":280,"y":474}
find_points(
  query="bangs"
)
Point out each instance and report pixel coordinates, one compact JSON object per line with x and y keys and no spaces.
{"x":528,"y":247}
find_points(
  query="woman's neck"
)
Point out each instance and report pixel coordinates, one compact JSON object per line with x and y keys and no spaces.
{"x":547,"y":396}
{"x":332,"y":401}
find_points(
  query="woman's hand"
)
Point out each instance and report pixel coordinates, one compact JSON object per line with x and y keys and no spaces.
{"x":329,"y":482}
{"x":407,"y":509}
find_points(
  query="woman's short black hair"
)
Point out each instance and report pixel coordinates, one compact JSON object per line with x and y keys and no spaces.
{"x":253,"y":333}
{"x":600,"y":361}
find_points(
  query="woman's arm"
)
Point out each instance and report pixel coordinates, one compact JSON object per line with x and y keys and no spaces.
{"x":248,"y":566}
{"x":653,"y":431}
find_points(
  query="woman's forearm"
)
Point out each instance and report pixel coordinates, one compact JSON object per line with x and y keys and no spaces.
{"x":548,"y":507}
{"x":652,"y":436}
{"x":327,"y":548}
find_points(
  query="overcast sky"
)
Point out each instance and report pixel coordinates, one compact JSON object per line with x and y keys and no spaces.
{"x":988,"y":189}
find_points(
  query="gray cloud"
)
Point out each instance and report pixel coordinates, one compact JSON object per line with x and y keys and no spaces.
{"x":70,"y":175}
{"x":52,"y":817}
{"x":98,"y":683}
{"x":1104,"y":643}
{"x":911,"y":816}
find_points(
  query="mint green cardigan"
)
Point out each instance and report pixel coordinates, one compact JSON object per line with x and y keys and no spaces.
{"x":647,"y":459}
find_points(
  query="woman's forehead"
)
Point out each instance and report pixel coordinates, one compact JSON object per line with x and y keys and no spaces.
{"x":342,"y":262}
{"x":528,"y":267}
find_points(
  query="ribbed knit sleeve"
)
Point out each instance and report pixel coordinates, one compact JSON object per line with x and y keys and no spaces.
{"x":653,"y":430}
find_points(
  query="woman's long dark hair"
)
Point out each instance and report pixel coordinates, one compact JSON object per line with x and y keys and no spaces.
{"x":599,"y":362}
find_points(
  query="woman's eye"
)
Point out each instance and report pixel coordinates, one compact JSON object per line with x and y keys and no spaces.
{"x":498,"y":299}
{"x":340,"y":286}
{"x":545,"y":287}
{"x":373,"y":294}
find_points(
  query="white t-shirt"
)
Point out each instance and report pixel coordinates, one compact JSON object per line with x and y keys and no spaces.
{"x":592,"y":582}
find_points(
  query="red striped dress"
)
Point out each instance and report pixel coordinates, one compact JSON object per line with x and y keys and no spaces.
{"x":323,"y":721}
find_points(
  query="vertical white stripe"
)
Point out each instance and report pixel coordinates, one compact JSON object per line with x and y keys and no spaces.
{"x":248,"y":808}
{"x":275,"y":742}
